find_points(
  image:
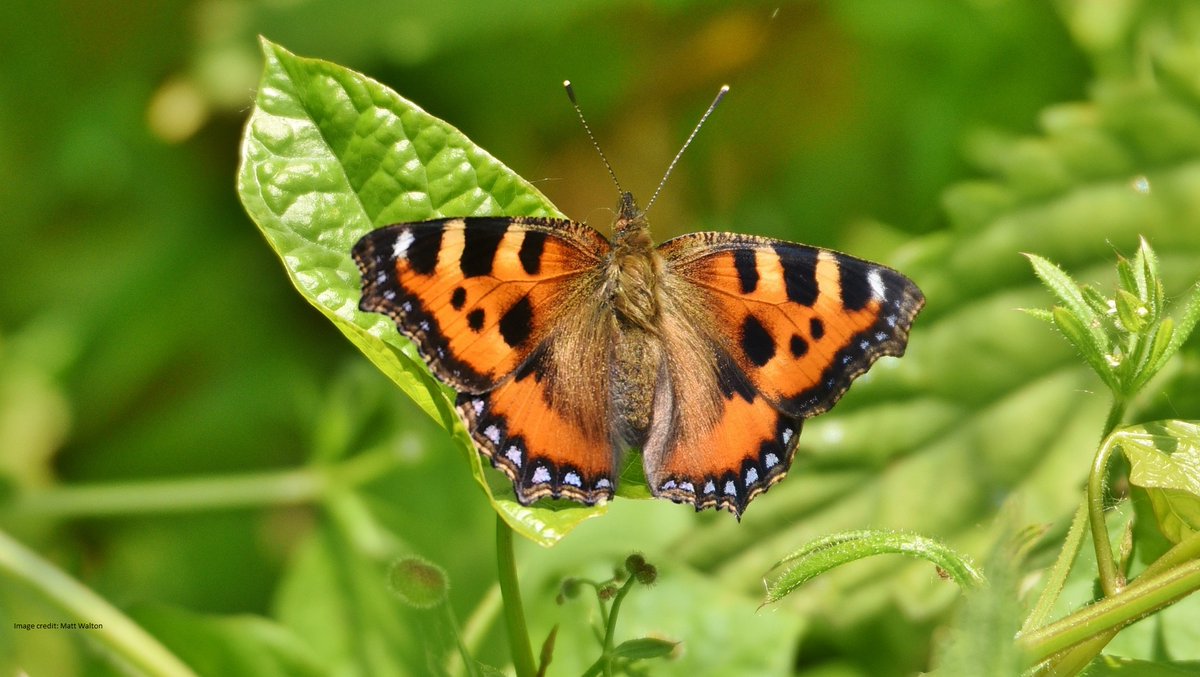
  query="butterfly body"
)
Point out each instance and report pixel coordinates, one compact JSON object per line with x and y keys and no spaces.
{"x":706,"y":352}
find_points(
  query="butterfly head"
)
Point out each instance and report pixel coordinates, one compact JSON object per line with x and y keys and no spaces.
{"x":631,"y":220}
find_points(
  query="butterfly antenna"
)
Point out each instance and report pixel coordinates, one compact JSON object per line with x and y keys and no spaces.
{"x":579,"y":111}
{"x":720,"y":95}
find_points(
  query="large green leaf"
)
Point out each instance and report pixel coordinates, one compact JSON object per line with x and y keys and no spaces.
{"x":328,"y":155}
{"x":1164,"y":459}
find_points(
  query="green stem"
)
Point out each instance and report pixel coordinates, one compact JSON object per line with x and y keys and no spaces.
{"x":127,"y":641}
{"x":1060,"y":571}
{"x":610,"y":629}
{"x":1138,"y":599}
{"x":514,"y":611}
{"x":281,"y":487}
{"x":1110,"y":581}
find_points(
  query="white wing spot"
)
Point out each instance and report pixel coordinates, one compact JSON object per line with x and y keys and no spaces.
{"x":787,"y":436}
{"x":730,"y":489}
{"x":514,"y":454}
{"x":751,"y":476}
{"x":407,"y":307}
{"x":864,"y":344}
{"x":492,"y":433}
{"x":880,"y":336}
{"x":709,"y":487}
{"x":876,"y":282}
{"x":688,"y":487}
{"x":572,"y":479}
{"x":891,"y":320}
{"x":389,"y":295}
{"x":541,"y":475}
{"x":477,"y":405}
{"x":771,"y":461}
{"x":381,"y":278}
{"x":668,"y":485}
{"x":400,"y":249}
{"x":603,"y":483}
{"x":425,"y":325}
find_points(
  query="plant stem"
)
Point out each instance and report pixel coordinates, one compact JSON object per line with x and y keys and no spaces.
{"x":281,"y":487}
{"x":1109,"y":580}
{"x":514,"y":610}
{"x":132,"y":646}
{"x":1138,"y":599}
{"x":610,"y":629}
{"x":1059,"y":572}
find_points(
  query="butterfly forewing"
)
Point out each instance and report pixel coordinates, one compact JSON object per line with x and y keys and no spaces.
{"x":478,"y":295}
{"x":800,"y":322}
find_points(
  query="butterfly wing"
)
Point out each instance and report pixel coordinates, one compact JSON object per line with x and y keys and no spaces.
{"x":488,"y":302}
{"x":789,"y":327}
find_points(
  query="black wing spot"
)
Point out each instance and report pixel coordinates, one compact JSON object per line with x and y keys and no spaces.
{"x":746,"y":263}
{"x":458,"y":299}
{"x":422,"y":254}
{"x":475,"y":320}
{"x":816,"y":328}
{"x":799,"y":273}
{"x":479,"y":251}
{"x":532,"y":246}
{"x":516,"y":324}
{"x":757,"y":342}
{"x":856,"y":291}
{"x":798,"y":346}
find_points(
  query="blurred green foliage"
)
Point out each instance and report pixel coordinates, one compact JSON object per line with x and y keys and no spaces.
{"x":148,"y":333}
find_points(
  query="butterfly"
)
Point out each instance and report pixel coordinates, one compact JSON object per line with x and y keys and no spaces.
{"x":706,"y":352}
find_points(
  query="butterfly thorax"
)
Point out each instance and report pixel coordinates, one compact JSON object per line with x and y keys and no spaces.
{"x":633,"y":271}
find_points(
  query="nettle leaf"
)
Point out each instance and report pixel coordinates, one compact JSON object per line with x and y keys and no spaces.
{"x":328,"y":155}
{"x":1164,"y":459}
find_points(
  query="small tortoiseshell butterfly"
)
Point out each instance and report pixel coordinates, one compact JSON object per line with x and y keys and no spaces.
{"x":707,"y":352}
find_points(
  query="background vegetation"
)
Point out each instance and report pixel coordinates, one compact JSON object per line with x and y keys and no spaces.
{"x":150,"y":340}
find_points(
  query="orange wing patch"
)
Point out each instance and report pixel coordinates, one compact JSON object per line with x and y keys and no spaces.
{"x":542,"y":451}
{"x":476,"y":300}
{"x":727,"y":463}
{"x":801,"y":322}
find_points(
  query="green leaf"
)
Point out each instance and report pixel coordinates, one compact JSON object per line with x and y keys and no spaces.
{"x":1165,"y":461}
{"x":1131,"y":311}
{"x":1191,"y":315}
{"x":1096,"y":356}
{"x":824,"y":554}
{"x":330,"y":154}
{"x":1145,"y":268}
{"x":1069,"y":293}
{"x":231,"y":645}
{"x":645,"y":647}
{"x":1039,"y":313}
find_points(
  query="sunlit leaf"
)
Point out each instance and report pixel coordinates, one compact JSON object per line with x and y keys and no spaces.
{"x":330,"y":154}
{"x":1165,"y":461}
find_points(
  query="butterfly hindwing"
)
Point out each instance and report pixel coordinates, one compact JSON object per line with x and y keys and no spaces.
{"x":800,"y":322}
{"x":543,"y":450}
{"x":720,"y":460}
